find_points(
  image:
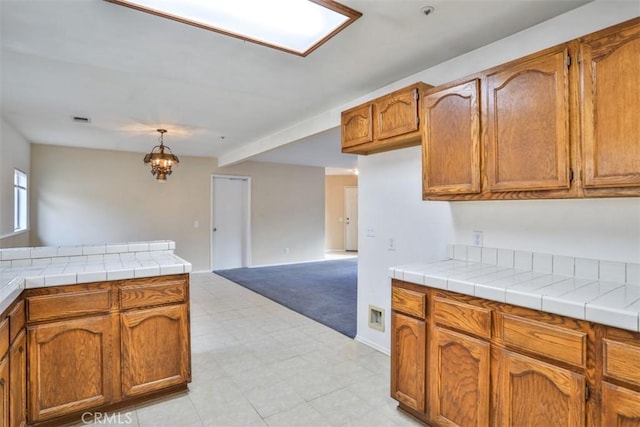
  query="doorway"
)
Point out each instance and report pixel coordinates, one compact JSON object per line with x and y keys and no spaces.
{"x":230,"y":222}
{"x":351,"y":219}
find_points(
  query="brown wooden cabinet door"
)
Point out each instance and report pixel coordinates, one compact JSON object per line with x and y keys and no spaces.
{"x":155,"y":349}
{"x":18,"y":368}
{"x":70,"y":366}
{"x":610,"y":107}
{"x":527,"y":144}
{"x":396,"y":114}
{"x":408,"y":367}
{"x":533,"y":393}
{"x":620,"y":406}
{"x":451,"y":141}
{"x":357,"y":126}
{"x":460,"y":384}
{"x":4,"y":392}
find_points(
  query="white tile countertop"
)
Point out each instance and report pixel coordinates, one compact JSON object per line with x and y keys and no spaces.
{"x":22,"y":268}
{"x":600,"y":291}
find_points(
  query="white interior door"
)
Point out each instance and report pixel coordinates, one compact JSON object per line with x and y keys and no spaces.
{"x":351,"y":218}
{"x":230,"y":222}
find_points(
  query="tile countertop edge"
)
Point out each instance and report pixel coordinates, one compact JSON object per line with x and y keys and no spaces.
{"x":167,"y":264}
{"x":420,"y":274}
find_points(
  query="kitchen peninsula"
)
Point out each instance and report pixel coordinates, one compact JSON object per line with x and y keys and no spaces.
{"x":88,"y":328}
{"x":502,"y":337}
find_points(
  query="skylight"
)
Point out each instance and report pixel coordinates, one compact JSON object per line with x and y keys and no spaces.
{"x":295,"y":26}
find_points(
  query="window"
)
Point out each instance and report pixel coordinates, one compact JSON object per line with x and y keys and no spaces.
{"x":19,"y":200}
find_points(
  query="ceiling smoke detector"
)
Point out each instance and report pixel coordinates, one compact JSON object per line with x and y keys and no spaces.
{"x":427,"y":10}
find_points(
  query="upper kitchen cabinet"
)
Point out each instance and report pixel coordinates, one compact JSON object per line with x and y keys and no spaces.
{"x":451,"y":140}
{"x":559,"y":123}
{"x":527,"y":111}
{"x":386,"y":123}
{"x":357,"y":126}
{"x":610,"y":107}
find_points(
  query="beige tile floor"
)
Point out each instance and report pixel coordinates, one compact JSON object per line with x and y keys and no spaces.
{"x":257,"y":363}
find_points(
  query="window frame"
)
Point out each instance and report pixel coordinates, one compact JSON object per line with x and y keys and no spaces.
{"x":20,"y":201}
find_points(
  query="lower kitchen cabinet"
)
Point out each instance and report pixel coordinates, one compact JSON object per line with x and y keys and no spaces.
{"x":620,"y":406}
{"x":4,"y":391}
{"x":13,"y":366}
{"x":459,"y":379}
{"x":70,"y":366}
{"x":460,"y":360}
{"x":408,"y":368}
{"x":621,"y":365}
{"x":94,"y":345}
{"x":409,"y":346}
{"x":18,"y":381}
{"x":153,"y":352}
{"x":534,"y":393}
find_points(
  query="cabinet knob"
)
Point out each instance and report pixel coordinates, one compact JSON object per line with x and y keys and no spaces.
{"x":2,"y":382}
{"x":21,"y":349}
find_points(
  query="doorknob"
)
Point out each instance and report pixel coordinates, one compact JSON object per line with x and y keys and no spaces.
{"x":215,"y":228}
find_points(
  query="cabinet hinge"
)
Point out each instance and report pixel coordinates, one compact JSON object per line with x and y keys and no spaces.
{"x":586,"y":392}
{"x":415,"y":94}
{"x":570,"y":175}
{"x":568,"y":60}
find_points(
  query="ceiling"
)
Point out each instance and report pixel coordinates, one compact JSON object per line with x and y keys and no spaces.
{"x":132,"y":72}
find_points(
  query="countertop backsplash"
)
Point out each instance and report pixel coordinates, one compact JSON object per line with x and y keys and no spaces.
{"x":586,"y":268}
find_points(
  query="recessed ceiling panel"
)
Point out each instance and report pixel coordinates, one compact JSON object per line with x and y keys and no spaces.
{"x":295,"y":26}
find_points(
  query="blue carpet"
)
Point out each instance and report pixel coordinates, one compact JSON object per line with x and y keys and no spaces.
{"x":324,"y":291}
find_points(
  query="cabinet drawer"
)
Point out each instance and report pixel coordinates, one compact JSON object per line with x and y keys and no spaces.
{"x":145,"y":294}
{"x":408,"y":302}
{"x":468,"y":318}
{"x":16,"y":320}
{"x":556,"y":342}
{"x":621,"y":361}
{"x":4,"y":337}
{"x":47,"y":307}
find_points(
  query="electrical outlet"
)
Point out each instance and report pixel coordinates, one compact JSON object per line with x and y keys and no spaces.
{"x":286,"y":251}
{"x":477,"y":238}
{"x":371,"y":232}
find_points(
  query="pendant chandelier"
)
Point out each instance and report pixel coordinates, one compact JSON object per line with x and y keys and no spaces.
{"x":161,"y":159}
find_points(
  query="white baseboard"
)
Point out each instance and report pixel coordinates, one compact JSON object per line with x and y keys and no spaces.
{"x":292,"y":262}
{"x":373,"y":345}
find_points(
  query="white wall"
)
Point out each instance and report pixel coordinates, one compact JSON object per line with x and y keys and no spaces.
{"x":390,"y":197}
{"x":589,"y":228}
{"x":14,"y":154}
{"x":390,"y":202}
{"x":95,"y":196}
